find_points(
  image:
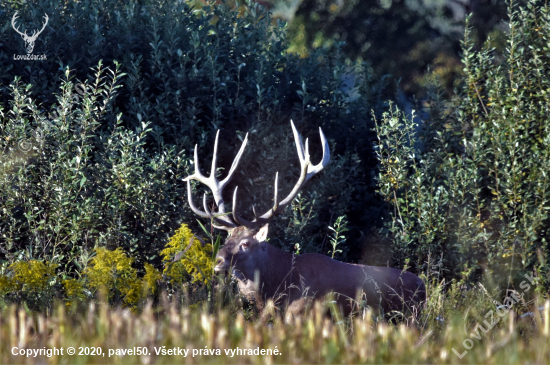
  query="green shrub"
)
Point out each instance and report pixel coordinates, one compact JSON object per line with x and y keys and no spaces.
{"x":470,"y":185}
{"x":98,"y":160}
{"x":69,"y":187}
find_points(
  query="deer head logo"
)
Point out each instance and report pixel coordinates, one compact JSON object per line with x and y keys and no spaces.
{"x":29,"y":40}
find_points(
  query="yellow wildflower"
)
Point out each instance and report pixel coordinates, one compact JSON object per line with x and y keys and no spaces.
{"x":5,"y":284}
{"x":196,"y":259}
{"x":113,"y":271}
{"x":152,"y":276}
{"x":32,"y":275}
{"x":74,"y":291}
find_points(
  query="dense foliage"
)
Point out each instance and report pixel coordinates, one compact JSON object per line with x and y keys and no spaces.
{"x":409,"y":39}
{"x":92,"y":162}
{"x":469,"y":187}
{"x":96,"y":158}
{"x":186,"y":254}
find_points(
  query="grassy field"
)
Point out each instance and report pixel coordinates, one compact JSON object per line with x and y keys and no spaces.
{"x":167,"y":334}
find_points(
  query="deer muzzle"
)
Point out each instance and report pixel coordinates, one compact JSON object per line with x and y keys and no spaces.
{"x":221,"y":265}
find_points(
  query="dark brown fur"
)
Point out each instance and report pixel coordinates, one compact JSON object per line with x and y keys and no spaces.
{"x":265,"y":272}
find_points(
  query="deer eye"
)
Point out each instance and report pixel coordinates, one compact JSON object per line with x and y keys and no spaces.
{"x":245,"y":244}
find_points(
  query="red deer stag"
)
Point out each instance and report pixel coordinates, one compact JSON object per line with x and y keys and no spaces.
{"x":264,"y":272}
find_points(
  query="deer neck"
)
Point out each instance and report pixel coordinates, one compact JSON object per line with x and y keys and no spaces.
{"x":276,"y":276}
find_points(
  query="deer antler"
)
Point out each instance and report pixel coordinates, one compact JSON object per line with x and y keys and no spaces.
{"x":225,"y":222}
{"x":35,"y":34}
{"x":14,"y":27}
{"x":307,"y":171}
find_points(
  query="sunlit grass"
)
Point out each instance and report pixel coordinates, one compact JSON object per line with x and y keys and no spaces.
{"x":311,"y":338}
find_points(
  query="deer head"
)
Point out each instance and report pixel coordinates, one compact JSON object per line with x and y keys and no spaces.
{"x":29,"y":40}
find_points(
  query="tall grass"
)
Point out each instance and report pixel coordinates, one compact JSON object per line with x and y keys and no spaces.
{"x":312,"y":338}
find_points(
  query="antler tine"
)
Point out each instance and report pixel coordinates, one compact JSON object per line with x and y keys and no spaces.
{"x":298,"y":141}
{"x":312,"y":170}
{"x":205,"y":206}
{"x":215,"y":156}
{"x":36,"y":33}
{"x":240,"y":221}
{"x":195,"y":210}
{"x":198,"y":174}
{"x":306,"y":172}
{"x":235,"y":163}
{"x":276,"y":189}
{"x":214,"y":185}
{"x":13,"y":24}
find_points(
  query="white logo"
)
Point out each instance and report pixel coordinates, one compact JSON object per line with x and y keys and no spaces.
{"x":29,"y":40}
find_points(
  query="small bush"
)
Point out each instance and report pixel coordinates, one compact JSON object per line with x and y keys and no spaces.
{"x":151,"y":279}
{"x":32,"y":282}
{"x":74,"y":292}
{"x":112,"y":271}
{"x":196,"y":258}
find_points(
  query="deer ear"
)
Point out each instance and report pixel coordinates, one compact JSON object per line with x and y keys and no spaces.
{"x":262,"y":233}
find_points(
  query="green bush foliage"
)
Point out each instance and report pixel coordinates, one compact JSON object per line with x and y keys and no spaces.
{"x":470,"y":185}
{"x":110,"y":275}
{"x":97,"y":159}
{"x":68,"y":186}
